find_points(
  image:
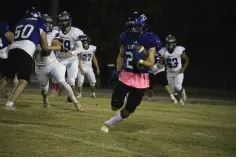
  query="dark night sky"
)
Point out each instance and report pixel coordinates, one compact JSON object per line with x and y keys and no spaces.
{"x":206,"y":28}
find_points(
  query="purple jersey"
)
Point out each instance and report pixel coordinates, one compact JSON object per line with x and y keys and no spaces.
{"x":4,"y":28}
{"x":147,"y":40}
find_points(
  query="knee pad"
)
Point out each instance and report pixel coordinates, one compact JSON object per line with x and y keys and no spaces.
{"x":92,"y":84}
{"x":71,"y":81}
{"x":116,"y":105}
{"x":125,"y":113}
{"x":80,"y":84}
{"x":45,"y":88}
{"x":178,"y":88}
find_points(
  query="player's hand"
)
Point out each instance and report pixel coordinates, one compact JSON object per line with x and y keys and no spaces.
{"x":69,"y":54}
{"x":98,"y":71}
{"x":182,"y":70}
{"x":115,"y":74}
{"x":158,"y":65}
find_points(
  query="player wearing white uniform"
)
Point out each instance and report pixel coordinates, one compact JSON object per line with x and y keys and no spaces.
{"x":85,"y":66}
{"x":171,"y":55}
{"x":69,"y":37}
{"x":28,"y":34}
{"x":48,"y":66}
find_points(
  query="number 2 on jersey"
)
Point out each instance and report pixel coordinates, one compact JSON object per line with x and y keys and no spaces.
{"x":129,"y":61}
{"x":172,"y":62}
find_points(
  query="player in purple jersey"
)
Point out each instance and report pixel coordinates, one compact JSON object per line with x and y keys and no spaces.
{"x":28,"y":34}
{"x":136,"y":44}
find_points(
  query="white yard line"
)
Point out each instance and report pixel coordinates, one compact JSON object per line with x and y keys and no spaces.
{"x":22,"y":127}
{"x":202,"y":134}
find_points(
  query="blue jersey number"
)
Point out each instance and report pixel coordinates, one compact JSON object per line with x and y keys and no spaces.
{"x":23,"y":31}
{"x":86,"y":57}
{"x":172,"y":62}
{"x":66,"y":44}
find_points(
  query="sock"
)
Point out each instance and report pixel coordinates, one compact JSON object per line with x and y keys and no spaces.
{"x":57,"y":87}
{"x":53,"y":87}
{"x":171,"y":96}
{"x":114,"y":120}
{"x":9,"y":104}
{"x":70,"y":92}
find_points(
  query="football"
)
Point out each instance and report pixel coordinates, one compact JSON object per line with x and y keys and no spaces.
{"x":145,"y":55}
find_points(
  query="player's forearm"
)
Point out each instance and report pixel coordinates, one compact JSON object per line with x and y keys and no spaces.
{"x":55,"y":47}
{"x":185,"y":64}
{"x":148,"y":64}
{"x":120,"y":62}
{"x":96,"y":63}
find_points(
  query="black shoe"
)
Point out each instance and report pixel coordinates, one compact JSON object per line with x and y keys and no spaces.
{"x":69,"y":100}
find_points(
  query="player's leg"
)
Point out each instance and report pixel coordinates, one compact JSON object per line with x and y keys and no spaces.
{"x":162,"y":78}
{"x":58,"y":72}
{"x":23,"y":68}
{"x":91,"y":78}
{"x":151,"y":85}
{"x":134,"y":99}
{"x":3,"y":67}
{"x":42,"y":76}
{"x":80,"y":78}
{"x":72,"y":71}
{"x":178,"y":86}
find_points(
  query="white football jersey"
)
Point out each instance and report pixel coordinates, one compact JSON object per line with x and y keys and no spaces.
{"x":69,"y":40}
{"x":39,"y":60}
{"x":87,"y":55}
{"x":173,"y":60}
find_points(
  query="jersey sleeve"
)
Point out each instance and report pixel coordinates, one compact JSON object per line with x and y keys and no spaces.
{"x":180,"y":50}
{"x":93,"y":48}
{"x":77,"y":34}
{"x":161,"y":52}
{"x":42,"y":26}
{"x":56,"y":34}
{"x":122,"y":38}
{"x":153,"y":41}
{"x":4,"y":27}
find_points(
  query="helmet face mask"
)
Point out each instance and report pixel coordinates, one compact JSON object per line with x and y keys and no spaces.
{"x":170,"y":43}
{"x":32,"y":13}
{"x":48,"y":21}
{"x":64,"y":20}
{"x":136,"y":25}
{"x":85,"y":45}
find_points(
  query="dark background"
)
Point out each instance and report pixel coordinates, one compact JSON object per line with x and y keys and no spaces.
{"x":206,"y":28}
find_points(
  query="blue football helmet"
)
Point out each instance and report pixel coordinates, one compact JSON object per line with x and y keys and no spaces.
{"x":136,"y":24}
{"x":33,"y":13}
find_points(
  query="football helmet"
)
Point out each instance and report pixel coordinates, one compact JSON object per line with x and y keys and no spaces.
{"x":64,"y":20}
{"x":85,"y":41}
{"x":48,"y":21}
{"x":170,"y":43}
{"x":32,"y":13}
{"x":136,"y":24}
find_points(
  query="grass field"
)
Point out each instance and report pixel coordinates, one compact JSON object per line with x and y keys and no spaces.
{"x":155,"y":129}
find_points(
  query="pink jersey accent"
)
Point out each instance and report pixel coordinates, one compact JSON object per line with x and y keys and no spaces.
{"x":136,"y":80}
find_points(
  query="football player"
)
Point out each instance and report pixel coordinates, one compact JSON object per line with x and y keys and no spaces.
{"x":158,"y":75}
{"x":69,"y":37}
{"x":6,"y":38}
{"x":48,"y":66}
{"x":133,"y":69}
{"x":28,"y":34}
{"x":85,"y":66}
{"x":172,"y":56}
